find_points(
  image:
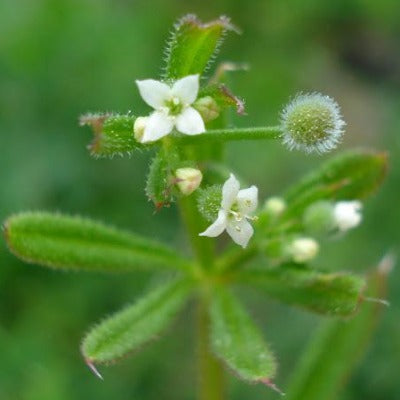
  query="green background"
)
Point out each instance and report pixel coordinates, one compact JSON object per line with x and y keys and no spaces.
{"x":61,"y":58}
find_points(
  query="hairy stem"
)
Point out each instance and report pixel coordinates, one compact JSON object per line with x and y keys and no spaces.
{"x":223,"y":135}
{"x":211,"y":374}
{"x":203,"y":248}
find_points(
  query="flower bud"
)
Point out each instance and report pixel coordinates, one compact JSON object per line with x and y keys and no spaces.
{"x":318,"y":219}
{"x":139,"y":127}
{"x":312,"y":123}
{"x":347,"y":214}
{"x":303,"y":250}
{"x":188,"y":179}
{"x":275,"y":206}
{"x":208,"y":108}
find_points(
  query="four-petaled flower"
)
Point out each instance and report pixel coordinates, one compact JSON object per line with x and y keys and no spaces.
{"x":172,"y":105}
{"x":236,"y":207}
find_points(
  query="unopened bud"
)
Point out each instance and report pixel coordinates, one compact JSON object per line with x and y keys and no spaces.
{"x":188,"y":179}
{"x":347,"y":214}
{"x":275,"y":206}
{"x":208,"y":108}
{"x":139,"y":127}
{"x":318,"y":219}
{"x":312,"y":123}
{"x":303,"y":250}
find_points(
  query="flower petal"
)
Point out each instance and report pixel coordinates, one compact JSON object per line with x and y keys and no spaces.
{"x":158,"y":125}
{"x":247,"y":200}
{"x":190,"y":122}
{"x":240,"y":231}
{"x":230,"y":191}
{"x":347,"y":214}
{"x":186,"y":89}
{"x":217,"y":227}
{"x":153,"y":92}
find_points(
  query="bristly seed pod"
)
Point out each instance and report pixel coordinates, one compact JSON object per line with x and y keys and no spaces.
{"x":312,"y":123}
{"x":209,"y":201}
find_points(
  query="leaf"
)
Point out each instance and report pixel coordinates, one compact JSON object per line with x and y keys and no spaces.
{"x":223,"y":97}
{"x":113,"y":134}
{"x":65,"y":242}
{"x":193,"y":45}
{"x":136,"y":324}
{"x":337,"y":346}
{"x":352,"y":175}
{"x":336,"y":294}
{"x":237,"y":341}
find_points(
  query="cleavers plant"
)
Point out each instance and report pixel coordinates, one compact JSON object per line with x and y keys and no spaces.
{"x":273,"y":243}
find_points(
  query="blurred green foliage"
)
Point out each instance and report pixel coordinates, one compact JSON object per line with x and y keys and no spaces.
{"x":61,"y":58}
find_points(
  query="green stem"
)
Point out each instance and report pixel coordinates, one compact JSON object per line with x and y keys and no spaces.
{"x":222,"y":135}
{"x":211,"y":375}
{"x":234,"y":258}
{"x":203,"y":248}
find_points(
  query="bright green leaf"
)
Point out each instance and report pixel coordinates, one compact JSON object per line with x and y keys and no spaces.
{"x":65,"y":242}
{"x":352,"y":175}
{"x":327,"y":293}
{"x":193,"y":45}
{"x":237,"y":341}
{"x":337,"y":346}
{"x":135,"y":325}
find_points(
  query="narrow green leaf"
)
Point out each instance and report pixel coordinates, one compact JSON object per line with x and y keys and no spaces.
{"x":65,"y":242}
{"x":237,"y":341}
{"x":337,"y":346}
{"x":326,"y":293}
{"x":113,"y":134}
{"x":135,"y":325}
{"x":352,"y":175}
{"x":224,"y":135}
{"x":193,"y":45}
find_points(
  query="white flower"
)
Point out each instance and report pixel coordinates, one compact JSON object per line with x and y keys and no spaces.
{"x":172,"y":107}
{"x":236,"y":205}
{"x":347,"y":214}
{"x":303,"y":250}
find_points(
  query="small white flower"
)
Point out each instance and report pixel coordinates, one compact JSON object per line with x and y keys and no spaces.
{"x":303,"y":250}
{"x":172,"y":105}
{"x":347,"y":214}
{"x":236,"y":207}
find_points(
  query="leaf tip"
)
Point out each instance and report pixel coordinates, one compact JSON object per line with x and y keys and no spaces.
{"x":387,"y":264}
{"x":272,"y":385}
{"x":93,"y":368}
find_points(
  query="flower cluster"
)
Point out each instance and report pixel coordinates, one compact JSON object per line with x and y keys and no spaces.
{"x":311,"y":122}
